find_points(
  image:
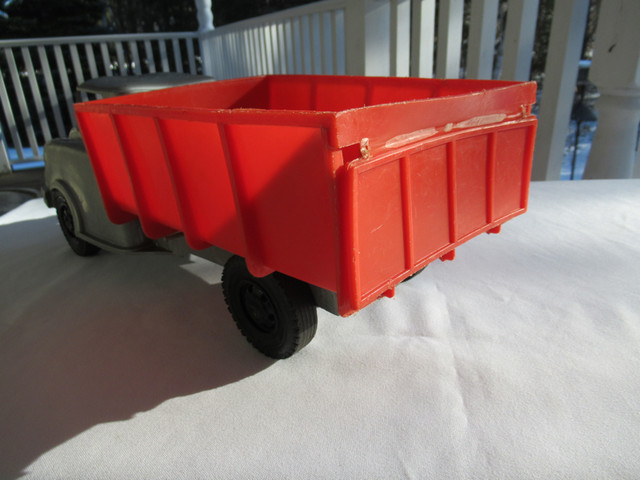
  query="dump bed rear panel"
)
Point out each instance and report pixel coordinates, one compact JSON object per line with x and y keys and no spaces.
{"x":347,"y":183}
{"x":416,"y":204}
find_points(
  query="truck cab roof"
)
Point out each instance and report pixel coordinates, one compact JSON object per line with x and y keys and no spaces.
{"x":123,"y":85}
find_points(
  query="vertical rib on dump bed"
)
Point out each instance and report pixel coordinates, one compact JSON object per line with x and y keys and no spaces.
{"x":347,"y":183}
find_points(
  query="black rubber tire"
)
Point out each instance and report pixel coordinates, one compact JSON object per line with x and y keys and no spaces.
{"x":65,"y":218}
{"x":275,"y":313}
{"x":414,"y":275}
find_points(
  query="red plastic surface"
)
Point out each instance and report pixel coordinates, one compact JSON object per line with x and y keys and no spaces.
{"x":347,"y":183}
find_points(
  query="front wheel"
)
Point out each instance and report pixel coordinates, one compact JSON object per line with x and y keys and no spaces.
{"x":67,"y":225}
{"x":275,"y":313}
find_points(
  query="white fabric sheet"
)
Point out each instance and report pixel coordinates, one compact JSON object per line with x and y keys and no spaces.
{"x":520,"y":359}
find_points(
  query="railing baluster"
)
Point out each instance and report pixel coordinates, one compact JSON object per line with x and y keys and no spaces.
{"x":122,"y":63}
{"x":91,"y":60}
{"x":482,"y":38}
{"x":22,"y":102}
{"x":340,"y":42}
{"x":261,"y":50}
{"x":151,"y":63}
{"x":106,"y":59}
{"x":11,"y":121}
{"x":282,"y":47}
{"x":313,"y":34}
{"x":215,"y":54}
{"x":298,"y":45}
{"x":423,"y":15}
{"x":266,"y":50}
{"x":255,"y":48}
{"x":177,"y":56}
{"x":235,"y":54}
{"x":323,"y":46}
{"x":246,"y":54}
{"x":275,"y":51}
{"x":334,"y":43}
{"x":135,"y":57}
{"x":77,"y":68}
{"x":288,"y":37}
{"x":164,"y":59}
{"x":242,"y":60}
{"x":265,"y":42}
{"x":449,"y":38}
{"x":308,"y":49}
{"x":220,"y":52}
{"x":51,"y":91}
{"x":252,"y":51}
{"x":230,"y":58}
{"x":64,"y":78}
{"x":227,"y":63}
{"x":393,"y":37}
{"x":35,"y":92}
{"x":403,"y":37}
{"x":246,"y":63}
{"x":239,"y":49}
{"x":227,"y":52}
{"x":305,"y":48}
{"x":191,"y":55}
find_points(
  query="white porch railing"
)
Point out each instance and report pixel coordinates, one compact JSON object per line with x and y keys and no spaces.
{"x":353,"y":37}
{"x":39,"y":78}
{"x":357,"y":37}
{"x":397,"y":37}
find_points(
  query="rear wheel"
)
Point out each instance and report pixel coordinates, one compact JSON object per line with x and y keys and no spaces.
{"x":414,"y":275}
{"x":67,"y":225}
{"x":275,"y":313}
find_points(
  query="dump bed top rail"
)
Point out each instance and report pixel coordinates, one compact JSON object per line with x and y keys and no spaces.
{"x":379,"y":108}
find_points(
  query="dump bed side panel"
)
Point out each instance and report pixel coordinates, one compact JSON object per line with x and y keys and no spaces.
{"x":169,"y":173}
{"x":195,"y":156}
{"x":417,"y":203}
{"x":285,"y":192}
{"x":101,"y":140}
{"x":149,"y":175}
{"x":262,"y":191}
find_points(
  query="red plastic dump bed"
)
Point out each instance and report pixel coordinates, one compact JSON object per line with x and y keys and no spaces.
{"x":348,"y":183}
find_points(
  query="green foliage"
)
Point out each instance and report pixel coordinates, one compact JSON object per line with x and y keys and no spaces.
{"x":54,"y":18}
{"x":48,"y":18}
{"x":228,"y":12}
{"x":145,"y":16}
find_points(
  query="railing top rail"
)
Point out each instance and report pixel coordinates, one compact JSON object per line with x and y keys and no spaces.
{"x":118,"y":37}
{"x":308,"y":9}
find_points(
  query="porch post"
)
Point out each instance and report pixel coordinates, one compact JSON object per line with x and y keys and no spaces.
{"x":367,"y":37}
{"x":616,"y":71}
{"x":205,"y":29}
{"x":561,"y":71}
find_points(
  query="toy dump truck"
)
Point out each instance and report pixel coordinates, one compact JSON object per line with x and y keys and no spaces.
{"x":312,"y":191}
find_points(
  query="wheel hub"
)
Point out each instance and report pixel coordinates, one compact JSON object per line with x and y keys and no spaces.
{"x":67,"y":219}
{"x":258,"y":307}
